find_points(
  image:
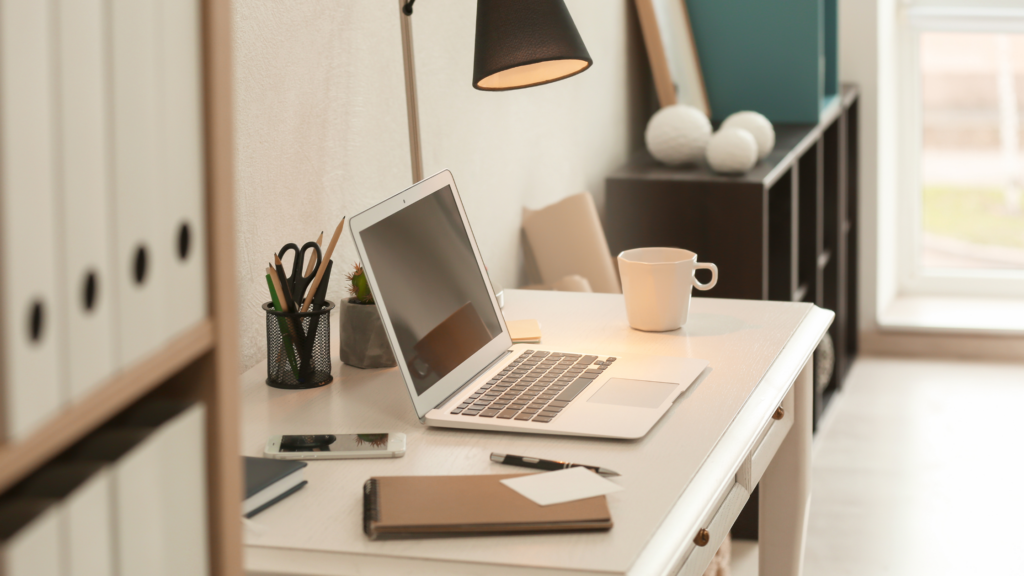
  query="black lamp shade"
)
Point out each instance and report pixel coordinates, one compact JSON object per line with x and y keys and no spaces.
{"x":521,"y":43}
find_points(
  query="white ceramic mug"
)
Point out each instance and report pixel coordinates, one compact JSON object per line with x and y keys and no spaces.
{"x":657,"y":283}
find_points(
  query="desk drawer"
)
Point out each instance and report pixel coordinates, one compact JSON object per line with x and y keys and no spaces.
{"x":720,"y":524}
{"x":768,"y":443}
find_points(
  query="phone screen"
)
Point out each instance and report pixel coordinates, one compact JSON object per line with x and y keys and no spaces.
{"x":334,"y":443}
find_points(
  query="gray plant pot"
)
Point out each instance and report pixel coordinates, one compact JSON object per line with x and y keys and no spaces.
{"x":364,"y":344}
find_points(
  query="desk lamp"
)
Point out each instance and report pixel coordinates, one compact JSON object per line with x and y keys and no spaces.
{"x":519,"y":43}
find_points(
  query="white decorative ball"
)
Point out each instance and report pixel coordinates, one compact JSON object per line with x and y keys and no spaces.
{"x":758,"y":126}
{"x":678,"y":134}
{"x":732,"y":151}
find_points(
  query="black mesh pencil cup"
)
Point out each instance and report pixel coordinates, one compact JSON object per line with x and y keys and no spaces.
{"x":299,"y":347}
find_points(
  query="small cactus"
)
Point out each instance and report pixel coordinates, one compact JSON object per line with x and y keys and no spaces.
{"x":358,"y":287}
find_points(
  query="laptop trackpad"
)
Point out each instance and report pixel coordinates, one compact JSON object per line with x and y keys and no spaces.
{"x":635,"y":393}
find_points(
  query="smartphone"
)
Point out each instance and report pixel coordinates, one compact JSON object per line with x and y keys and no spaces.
{"x":325,"y":446}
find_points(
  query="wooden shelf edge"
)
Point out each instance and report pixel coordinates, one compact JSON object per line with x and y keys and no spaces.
{"x":19,"y":458}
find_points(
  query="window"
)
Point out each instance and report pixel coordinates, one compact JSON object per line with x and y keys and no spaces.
{"x":961,"y":205}
{"x":971,"y":163}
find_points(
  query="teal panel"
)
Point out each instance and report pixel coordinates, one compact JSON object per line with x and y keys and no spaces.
{"x":831,"y":47}
{"x":762,"y":55}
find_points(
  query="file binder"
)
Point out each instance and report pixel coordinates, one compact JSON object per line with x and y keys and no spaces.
{"x":82,"y":491}
{"x":182,"y":161}
{"x":31,"y":390}
{"x":135,"y":472}
{"x":180,"y":441}
{"x":29,"y":538}
{"x":141,"y":244}
{"x":88,"y":281}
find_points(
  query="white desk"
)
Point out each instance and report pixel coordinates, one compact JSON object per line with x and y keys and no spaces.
{"x":694,"y":470}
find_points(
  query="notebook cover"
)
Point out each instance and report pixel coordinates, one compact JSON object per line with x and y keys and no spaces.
{"x":262,"y":472}
{"x":430,"y":506}
{"x":280,"y":497}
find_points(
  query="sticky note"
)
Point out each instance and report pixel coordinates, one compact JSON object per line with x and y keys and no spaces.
{"x":561,"y":486}
{"x":524,"y":331}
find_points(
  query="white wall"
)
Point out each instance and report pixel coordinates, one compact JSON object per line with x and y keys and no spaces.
{"x":867,"y":57}
{"x":321,"y":126}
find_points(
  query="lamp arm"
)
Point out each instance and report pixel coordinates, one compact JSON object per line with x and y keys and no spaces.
{"x":411,"y":99}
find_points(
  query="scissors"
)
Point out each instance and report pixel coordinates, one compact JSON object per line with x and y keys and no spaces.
{"x":297,"y":282}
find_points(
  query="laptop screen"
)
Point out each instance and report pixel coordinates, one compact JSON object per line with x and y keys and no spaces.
{"x":438,"y":301}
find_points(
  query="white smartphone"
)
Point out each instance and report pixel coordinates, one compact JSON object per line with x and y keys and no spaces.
{"x":325,"y":446}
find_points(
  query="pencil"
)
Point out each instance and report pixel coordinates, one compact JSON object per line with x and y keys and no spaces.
{"x":296,"y":334}
{"x":287,"y":325}
{"x":323,"y":268}
{"x":276,"y":285}
{"x":287,"y":298}
{"x":283,"y":325}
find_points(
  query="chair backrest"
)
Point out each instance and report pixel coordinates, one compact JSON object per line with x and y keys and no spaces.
{"x":567,"y":238}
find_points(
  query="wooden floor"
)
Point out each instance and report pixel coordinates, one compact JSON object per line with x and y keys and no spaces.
{"x":917,"y":470}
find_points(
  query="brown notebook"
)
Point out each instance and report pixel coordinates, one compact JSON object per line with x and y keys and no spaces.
{"x":431,"y":506}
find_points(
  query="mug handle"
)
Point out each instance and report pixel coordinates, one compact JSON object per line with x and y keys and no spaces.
{"x":705,"y":266}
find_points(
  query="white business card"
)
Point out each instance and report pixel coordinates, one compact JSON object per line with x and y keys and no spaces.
{"x":561,"y":485}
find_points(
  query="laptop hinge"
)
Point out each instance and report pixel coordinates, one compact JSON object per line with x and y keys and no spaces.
{"x":471,"y":380}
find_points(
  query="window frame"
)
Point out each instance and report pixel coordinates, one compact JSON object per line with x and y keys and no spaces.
{"x":912,"y":277}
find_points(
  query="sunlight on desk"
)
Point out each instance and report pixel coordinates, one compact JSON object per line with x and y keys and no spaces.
{"x":678,"y":479}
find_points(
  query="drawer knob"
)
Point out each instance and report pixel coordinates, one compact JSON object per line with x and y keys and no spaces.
{"x":703,"y":537}
{"x":779,"y":413}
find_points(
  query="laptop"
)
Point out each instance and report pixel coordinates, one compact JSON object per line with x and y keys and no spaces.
{"x":453,"y":347}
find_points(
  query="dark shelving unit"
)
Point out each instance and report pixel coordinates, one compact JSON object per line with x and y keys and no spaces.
{"x":786,"y":230}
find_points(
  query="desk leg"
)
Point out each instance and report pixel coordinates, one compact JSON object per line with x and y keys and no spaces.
{"x":786,"y":490}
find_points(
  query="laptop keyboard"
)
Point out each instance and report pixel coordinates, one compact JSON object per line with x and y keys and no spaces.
{"x":536,"y":386}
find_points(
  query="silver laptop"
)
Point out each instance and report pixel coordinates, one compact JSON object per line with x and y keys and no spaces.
{"x":454,"y":350}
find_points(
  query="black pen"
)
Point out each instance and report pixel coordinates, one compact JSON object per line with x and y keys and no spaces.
{"x":541,"y":464}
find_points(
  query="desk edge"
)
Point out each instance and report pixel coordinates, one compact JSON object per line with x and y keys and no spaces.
{"x":672,"y":543}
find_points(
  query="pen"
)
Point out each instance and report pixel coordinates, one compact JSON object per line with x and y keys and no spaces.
{"x":541,"y":464}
